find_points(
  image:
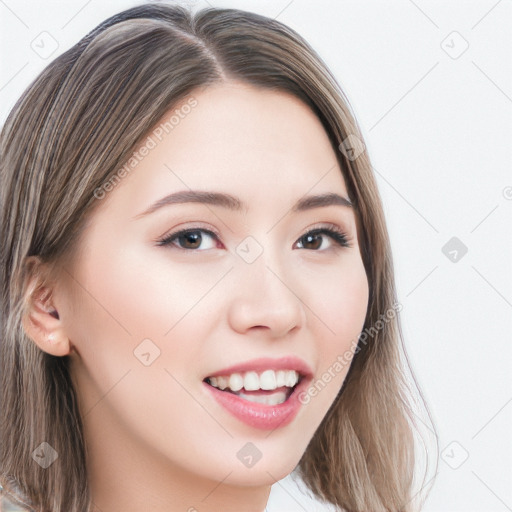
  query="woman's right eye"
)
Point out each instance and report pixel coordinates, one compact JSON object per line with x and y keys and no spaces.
{"x":190,"y":239}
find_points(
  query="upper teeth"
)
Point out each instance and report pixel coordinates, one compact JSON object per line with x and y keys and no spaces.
{"x":252,"y":381}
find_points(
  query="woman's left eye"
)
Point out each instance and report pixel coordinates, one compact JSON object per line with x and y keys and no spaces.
{"x":314,"y":236}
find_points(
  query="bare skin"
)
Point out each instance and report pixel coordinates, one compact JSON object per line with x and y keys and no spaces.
{"x":156,"y":439}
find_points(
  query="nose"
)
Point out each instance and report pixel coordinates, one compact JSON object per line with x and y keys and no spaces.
{"x":265,"y":300}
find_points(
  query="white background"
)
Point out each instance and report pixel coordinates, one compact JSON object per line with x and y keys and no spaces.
{"x":438,"y":126}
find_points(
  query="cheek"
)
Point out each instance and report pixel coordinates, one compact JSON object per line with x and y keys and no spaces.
{"x":340,"y":305}
{"x":340,"y":302}
{"x":127,"y":308}
{"x":138,"y":294}
{"x":137,"y":332}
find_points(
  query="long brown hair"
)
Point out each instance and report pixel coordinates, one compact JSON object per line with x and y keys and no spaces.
{"x":71,"y":130}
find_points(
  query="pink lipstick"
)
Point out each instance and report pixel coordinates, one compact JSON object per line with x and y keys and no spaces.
{"x":262,"y":393}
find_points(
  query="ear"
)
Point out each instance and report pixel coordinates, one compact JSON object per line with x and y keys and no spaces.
{"x":41,"y":321}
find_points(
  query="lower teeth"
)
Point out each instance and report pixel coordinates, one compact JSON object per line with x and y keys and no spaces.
{"x":274,"y":399}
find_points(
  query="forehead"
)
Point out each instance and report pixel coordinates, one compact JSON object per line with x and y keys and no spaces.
{"x":254,"y":143}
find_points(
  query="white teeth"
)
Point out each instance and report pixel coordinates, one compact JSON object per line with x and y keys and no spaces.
{"x":291,"y":378}
{"x":280,"y":378}
{"x":274,"y":399}
{"x":236,"y":382}
{"x":251,"y":381}
{"x":222,"y":382}
{"x":267,"y":380}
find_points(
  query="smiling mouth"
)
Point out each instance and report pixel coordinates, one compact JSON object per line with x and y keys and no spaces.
{"x":269,"y":387}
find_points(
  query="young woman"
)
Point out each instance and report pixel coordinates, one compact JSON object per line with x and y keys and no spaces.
{"x":197,"y":286}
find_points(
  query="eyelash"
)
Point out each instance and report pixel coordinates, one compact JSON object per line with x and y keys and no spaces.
{"x":334,"y":232}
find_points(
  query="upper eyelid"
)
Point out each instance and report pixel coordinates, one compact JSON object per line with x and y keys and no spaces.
{"x":174,"y":232}
{"x":315,"y":226}
{"x":319,"y":226}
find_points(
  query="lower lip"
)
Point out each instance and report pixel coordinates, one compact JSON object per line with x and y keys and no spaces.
{"x":261,"y":416}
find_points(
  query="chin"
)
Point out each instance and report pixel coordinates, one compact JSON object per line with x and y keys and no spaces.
{"x":263,"y":472}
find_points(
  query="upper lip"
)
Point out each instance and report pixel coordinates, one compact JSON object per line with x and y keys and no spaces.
{"x":265,"y":363}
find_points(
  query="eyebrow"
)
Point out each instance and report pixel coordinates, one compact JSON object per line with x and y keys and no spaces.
{"x":233,"y":203}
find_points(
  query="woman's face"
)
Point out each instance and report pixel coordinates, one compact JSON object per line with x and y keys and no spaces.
{"x":246,"y":294}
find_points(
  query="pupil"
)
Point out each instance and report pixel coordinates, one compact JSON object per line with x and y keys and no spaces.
{"x":310,"y":239}
{"x":193,"y":237}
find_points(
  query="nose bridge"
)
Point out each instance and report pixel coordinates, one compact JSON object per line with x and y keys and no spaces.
{"x":265,"y":294}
